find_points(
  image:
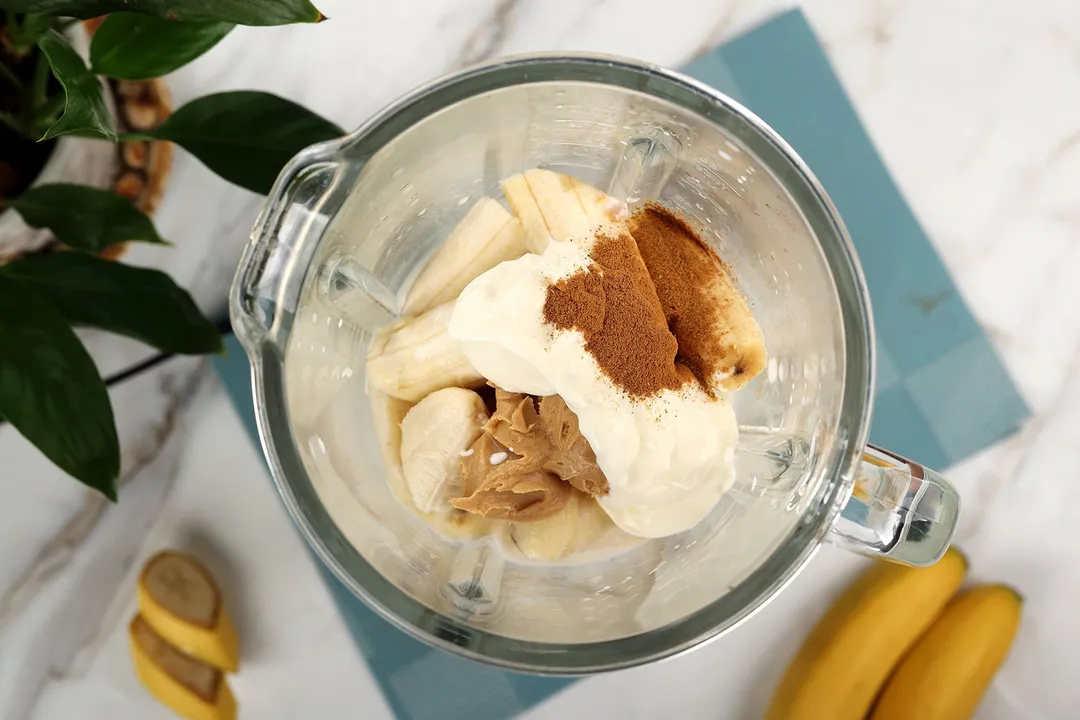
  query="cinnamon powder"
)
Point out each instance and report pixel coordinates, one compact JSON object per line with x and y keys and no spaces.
{"x":643,"y":305}
{"x":614,"y":305}
{"x":682,"y":267}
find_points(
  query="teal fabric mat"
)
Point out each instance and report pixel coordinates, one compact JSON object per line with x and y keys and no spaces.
{"x":942,"y":393}
{"x":418,"y":681}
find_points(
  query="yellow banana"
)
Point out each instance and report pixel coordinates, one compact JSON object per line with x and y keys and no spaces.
{"x":842,"y":665}
{"x":946,"y":673}
{"x":185,"y":684}
{"x":180,"y":600}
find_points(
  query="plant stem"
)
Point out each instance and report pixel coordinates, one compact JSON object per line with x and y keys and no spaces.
{"x":18,"y":43}
{"x":11,"y":76}
{"x":11,"y":22}
{"x":13,"y":122}
{"x":46,"y":114}
{"x":33,"y":111}
{"x":41,"y":79}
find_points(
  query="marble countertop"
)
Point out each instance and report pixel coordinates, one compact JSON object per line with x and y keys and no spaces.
{"x":973,"y":106}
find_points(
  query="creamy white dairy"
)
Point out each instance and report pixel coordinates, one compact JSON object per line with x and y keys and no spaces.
{"x":667,"y":458}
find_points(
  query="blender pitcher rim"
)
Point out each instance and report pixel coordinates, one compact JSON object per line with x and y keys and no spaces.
{"x":836,"y":482}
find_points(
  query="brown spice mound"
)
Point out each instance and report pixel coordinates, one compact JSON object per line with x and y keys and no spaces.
{"x":614,"y":305}
{"x":682,"y":267}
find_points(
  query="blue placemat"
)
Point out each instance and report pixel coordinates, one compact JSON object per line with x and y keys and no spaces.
{"x":942,"y":393}
{"x":419,"y":682}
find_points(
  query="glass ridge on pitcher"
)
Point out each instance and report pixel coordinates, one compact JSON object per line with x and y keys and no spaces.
{"x":564,"y":374}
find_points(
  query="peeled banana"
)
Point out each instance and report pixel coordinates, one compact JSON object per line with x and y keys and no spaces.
{"x":739,"y":335}
{"x":946,"y":673}
{"x":486,"y":236}
{"x":735,"y":346}
{"x":414,"y":358}
{"x":575,"y":528}
{"x":523,"y":205}
{"x":387,"y":414}
{"x":553,"y":206}
{"x":550,"y":538}
{"x":842,"y":665}
{"x":434,"y":434}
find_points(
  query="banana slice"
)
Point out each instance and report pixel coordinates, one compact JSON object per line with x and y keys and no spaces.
{"x":551,"y":538}
{"x":551,"y":205}
{"x":184,"y":684}
{"x":725,"y":348}
{"x":434,"y":434}
{"x":581,"y":526}
{"x":414,"y":359}
{"x":485,"y":237}
{"x":179,"y":599}
{"x":563,"y":214}
{"x":523,"y":205}
{"x":739,"y":335}
{"x":598,"y":205}
{"x":387,"y":415}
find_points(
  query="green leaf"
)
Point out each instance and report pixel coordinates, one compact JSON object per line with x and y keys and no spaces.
{"x":140,"y":47}
{"x":245,"y":137}
{"x":137,"y":302}
{"x":84,"y":110}
{"x":51,"y":391}
{"x":241,"y":12}
{"x":84,"y":218}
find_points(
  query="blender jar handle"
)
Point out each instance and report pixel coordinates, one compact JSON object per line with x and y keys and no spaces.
{"x":898,"y":511}
{"x":267,"y":284}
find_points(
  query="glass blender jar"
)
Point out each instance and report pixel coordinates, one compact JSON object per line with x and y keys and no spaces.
{"x":350,"y":222}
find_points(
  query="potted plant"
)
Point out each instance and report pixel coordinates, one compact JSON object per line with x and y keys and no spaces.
{"x":59,"y":223}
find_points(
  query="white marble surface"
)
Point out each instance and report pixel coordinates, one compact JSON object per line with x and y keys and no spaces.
{"x":972,"y":103}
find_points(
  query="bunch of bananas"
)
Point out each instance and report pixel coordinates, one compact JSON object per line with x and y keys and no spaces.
{"x":901,"y":643}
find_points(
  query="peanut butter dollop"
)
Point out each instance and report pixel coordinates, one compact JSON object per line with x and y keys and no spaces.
{"x":528,"y":461}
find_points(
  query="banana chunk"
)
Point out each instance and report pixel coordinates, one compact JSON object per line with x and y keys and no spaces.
{"x":413,"y":359}
{"x":179,"y":599}
{"x":189,"y":687}
{"x":718,"y":337}
{"x":523,"y":205}
{"x":576,"y":528}
{"x":387,"y":415}
{"x":434,"y":434}
{"x":553,"y":206}
{"x":740,"y":336}
{"x":485,"y":237}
